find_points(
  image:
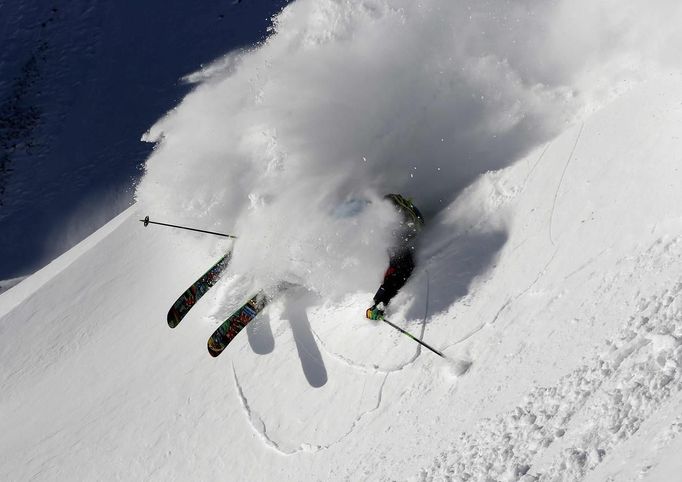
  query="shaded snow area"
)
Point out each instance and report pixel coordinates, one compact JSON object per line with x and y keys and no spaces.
{"x":542,"y":143}
{"x":80,"y":82}
{"x":7,"y":284}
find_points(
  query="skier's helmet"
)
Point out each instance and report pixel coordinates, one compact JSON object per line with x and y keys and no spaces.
{"x":411,"y":215}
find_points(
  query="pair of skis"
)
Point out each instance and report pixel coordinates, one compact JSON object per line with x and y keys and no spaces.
{"x":231,"y":327}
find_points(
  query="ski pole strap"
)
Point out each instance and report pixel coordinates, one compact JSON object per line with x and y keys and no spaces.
{"x":413,"y":337}
{"x":147,"y":222}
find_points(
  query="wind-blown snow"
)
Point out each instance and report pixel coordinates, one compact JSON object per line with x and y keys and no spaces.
{"x":355,"y":99}
{"x":557,"y":274}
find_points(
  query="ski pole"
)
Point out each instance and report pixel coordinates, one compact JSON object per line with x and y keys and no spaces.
{"x":414,"y":338}
{"x":147,"y":222}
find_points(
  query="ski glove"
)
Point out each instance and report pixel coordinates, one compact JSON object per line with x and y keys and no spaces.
{"x":374,"y":313}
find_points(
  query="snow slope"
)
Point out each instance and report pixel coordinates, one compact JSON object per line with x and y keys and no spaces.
{"x":556,"y":273}
{"x":558,"y":277}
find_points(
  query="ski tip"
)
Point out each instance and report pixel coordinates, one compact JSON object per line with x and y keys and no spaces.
{"x":214,"y":353}
{"x":214,"y":349}
{"x":173,"y":318}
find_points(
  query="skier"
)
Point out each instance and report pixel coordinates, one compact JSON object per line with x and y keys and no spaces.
{"x":401,"y":255}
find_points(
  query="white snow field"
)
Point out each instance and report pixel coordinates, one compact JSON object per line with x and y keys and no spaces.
{"x":554,"y":270}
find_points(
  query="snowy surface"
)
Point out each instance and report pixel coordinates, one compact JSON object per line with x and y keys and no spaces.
{"x":556,"y":275}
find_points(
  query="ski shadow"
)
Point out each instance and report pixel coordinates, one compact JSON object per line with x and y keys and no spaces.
{"x":260,"y":336}
{"x":308,"y":352}
{"x":262,"y":341}
{"x":445,"y":275}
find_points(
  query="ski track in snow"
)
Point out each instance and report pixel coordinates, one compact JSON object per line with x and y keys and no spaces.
{"x":357,"y":366}
{"x":260,"y":429}
{"x":375,"y":369}
{"x":561,"y":181}
{"x":259,"y":426}
{"x":593,"y":409}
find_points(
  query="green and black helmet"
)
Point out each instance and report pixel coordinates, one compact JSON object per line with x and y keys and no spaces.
{"x":411,"y":215}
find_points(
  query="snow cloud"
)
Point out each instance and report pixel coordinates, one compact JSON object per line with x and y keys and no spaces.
{"x":353,"y":99}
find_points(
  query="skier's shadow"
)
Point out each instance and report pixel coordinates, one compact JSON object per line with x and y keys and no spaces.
{"x":262,"y":342}
{"x":449,"y":271}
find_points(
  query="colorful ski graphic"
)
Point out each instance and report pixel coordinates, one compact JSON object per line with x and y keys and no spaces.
{"x":198,"y":289}
{"x":235,"y":323}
